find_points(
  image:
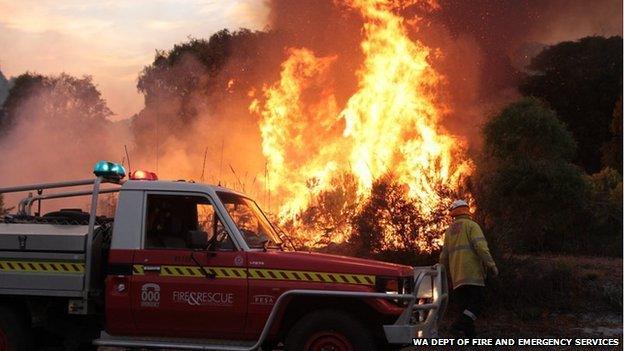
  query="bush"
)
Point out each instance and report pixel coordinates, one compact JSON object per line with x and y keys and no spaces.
{"x":390,"y":221}
{"x":527,"y":130}
{"x":604,"y":211}
{"x":532,"y":286}
{"x":525,"y":186}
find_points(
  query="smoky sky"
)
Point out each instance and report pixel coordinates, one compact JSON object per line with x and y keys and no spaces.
{"x":508,"y":32}
{"x":511,"y":31}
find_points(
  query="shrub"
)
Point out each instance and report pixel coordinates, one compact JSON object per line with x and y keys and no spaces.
{"x":391,"y":221}
{"x":604,"y":211}
{"x":525,"y":186}
{"x":530,"y":282}
{"x":533,"y":286}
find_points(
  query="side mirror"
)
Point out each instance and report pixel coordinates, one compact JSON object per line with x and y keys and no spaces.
{"x":198,"y":239}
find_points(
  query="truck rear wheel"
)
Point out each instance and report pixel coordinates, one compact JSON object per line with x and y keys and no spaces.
{"x":329,"y":331}
{"x":14,"y":334}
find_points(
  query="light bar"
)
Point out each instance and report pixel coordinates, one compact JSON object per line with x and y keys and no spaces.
{"x":109,"y":170}
{"x":143,"y":175}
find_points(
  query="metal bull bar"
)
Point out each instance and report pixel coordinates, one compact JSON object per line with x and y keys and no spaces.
{"x":421,"y":320}
{"x":401,"y":332}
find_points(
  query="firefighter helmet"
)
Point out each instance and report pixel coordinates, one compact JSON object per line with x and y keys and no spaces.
{"x":458,"y":203}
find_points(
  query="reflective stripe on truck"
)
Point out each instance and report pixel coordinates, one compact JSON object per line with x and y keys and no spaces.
{"x":265,"y":274}
{"x":35,"y":266}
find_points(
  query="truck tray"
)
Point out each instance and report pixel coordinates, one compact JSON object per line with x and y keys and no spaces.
{"x":42,"y":259}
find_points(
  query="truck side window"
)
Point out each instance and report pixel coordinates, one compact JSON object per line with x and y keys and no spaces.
{"x":170,"y":218}
{"x":219,"y":239}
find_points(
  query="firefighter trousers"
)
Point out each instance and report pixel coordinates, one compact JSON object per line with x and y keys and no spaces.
{"x":469,"y":301}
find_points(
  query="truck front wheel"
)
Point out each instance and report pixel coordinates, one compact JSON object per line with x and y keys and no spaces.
{"x":13,"y":331}
{"x":329,"y":331}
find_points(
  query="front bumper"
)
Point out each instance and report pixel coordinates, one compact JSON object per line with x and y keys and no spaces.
{"x":421,"y":317}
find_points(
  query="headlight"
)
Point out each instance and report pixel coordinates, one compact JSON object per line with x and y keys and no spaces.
{"x":394,"y":285}
{"x":389,"y":285}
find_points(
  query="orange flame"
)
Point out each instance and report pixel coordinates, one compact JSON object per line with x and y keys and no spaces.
{"x":390,"y":124}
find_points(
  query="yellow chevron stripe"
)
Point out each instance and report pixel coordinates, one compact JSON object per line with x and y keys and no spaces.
{"x":262,"y":274}
{"x":42,"y":267}
{"x":137,"y":269}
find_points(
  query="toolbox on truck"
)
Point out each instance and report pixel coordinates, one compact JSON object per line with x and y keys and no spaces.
{"x":43,"y":237}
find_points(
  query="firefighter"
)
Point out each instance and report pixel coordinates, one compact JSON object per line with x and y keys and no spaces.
{"x":466,"y":256}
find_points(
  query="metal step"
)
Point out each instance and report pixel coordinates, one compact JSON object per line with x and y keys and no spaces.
{"x":173,"y":343}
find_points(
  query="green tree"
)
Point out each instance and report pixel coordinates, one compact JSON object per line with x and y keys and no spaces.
{"x":56,"y":127}
{"x":61,"y":99}
{"x":193,"y":78}
{"x":526,"y":187}
{"x":582,"y":82}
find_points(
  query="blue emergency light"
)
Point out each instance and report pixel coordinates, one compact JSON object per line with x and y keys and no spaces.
{"x":109,"y":170}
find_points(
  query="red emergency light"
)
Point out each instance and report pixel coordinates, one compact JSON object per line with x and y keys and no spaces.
{"x":143,"y":175}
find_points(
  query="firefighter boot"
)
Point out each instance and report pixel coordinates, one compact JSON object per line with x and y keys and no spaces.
{"x":465,"y":325}
{"x":458,"y":326}
{"x":455,"y":330}
{"x":469,"y":324}
{"x":469,"y":328}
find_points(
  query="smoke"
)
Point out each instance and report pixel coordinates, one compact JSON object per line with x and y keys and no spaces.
{"x":480,"y":47}
{"x":487,"y":44}
{"x":196,"y":124}
{"x":57,"y":134}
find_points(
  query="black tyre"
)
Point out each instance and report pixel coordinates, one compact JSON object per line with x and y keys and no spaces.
{"x":14,"y":332}
{"x":329,"y":330}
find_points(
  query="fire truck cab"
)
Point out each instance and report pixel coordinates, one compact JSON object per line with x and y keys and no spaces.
{"x":193,"y":266}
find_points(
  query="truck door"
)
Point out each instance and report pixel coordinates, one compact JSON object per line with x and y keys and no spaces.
{"x":181,"y":291}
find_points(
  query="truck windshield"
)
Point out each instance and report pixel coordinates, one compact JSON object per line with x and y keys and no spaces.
{"x":250,"y":221}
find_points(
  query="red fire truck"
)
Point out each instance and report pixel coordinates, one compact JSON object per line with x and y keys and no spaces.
{"x":192,"y":266}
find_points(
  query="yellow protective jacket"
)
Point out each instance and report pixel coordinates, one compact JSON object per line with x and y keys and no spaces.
{"x":465,"y":252}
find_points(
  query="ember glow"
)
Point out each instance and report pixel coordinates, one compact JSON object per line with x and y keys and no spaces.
{"x":390,"y":124}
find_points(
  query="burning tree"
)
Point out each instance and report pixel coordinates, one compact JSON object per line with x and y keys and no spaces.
{"x":389,"y":124}
{"x":390,"y":220}
{"x":329,"y":217}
